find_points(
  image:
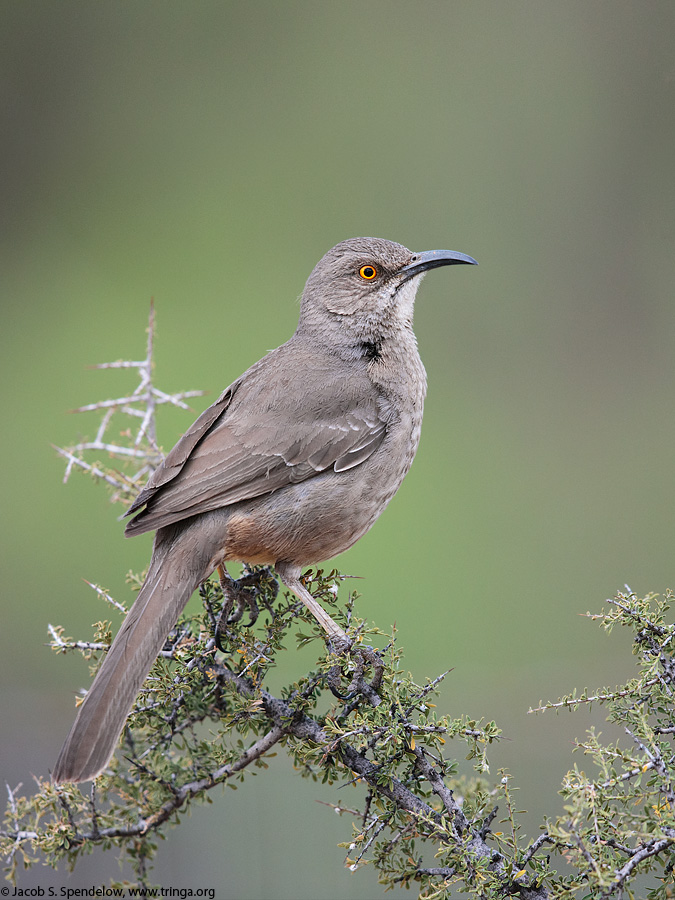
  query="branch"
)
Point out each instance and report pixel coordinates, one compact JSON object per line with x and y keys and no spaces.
{"x":141,"y":404}
{"x":307,"y":729}
{"x":653,"y":848}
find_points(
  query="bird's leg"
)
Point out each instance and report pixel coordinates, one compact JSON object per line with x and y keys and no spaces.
{"x":290,"y":575}
{"x":242,"y":591}
{"x":338,"y":641}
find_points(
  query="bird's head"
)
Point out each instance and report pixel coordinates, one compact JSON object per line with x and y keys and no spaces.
{"x":366,"y":287}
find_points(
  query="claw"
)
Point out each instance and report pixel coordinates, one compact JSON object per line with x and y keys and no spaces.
{"x":219,"y":634}
{"x":358,"y":686}
{"x":373,"y":658}
{"x":242,"y":592}
{"x":333,"y":677}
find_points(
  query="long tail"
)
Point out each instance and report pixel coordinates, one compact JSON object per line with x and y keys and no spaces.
{"x":176,"y":569}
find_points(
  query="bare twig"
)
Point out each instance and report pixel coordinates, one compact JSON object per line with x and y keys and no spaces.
{"x":141,"y":404}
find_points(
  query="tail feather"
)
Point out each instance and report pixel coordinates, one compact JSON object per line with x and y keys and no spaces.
{"x":172,"y":578}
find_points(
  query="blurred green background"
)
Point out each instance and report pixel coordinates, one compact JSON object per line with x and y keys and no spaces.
{"x":207,"y":154}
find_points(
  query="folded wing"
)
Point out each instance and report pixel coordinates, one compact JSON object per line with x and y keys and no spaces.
{"x":244,"y":446}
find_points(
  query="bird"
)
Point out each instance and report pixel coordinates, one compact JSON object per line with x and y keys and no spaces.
{"x":291,"y":465}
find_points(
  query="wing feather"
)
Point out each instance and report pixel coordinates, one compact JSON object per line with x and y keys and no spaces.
{"x":244,"y":446}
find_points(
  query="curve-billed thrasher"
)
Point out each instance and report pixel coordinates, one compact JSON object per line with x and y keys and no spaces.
{"x":290,"y":466}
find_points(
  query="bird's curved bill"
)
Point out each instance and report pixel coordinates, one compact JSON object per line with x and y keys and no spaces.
{"x":432,"y":259}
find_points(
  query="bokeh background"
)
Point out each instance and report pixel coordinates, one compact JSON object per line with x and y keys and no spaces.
{"x":207,"y":154}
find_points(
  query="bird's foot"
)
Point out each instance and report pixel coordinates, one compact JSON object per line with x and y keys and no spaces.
{"x":338,"y":643}
{"x":242,"y":593}
{"x":363,"y":657}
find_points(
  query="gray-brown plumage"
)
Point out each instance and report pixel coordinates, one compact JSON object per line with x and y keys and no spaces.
{"x":290,"y":466}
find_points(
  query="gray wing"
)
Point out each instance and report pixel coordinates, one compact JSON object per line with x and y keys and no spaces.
{"x":178,"y":456}
{"x":266,"y":431}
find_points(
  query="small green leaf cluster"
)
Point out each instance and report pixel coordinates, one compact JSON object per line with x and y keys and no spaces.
{"x":619,"y":822}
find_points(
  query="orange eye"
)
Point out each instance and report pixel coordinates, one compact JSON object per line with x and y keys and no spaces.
{"x":368,"y":272}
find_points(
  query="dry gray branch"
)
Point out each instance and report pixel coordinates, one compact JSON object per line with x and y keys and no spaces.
{"x":141,"y":404}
